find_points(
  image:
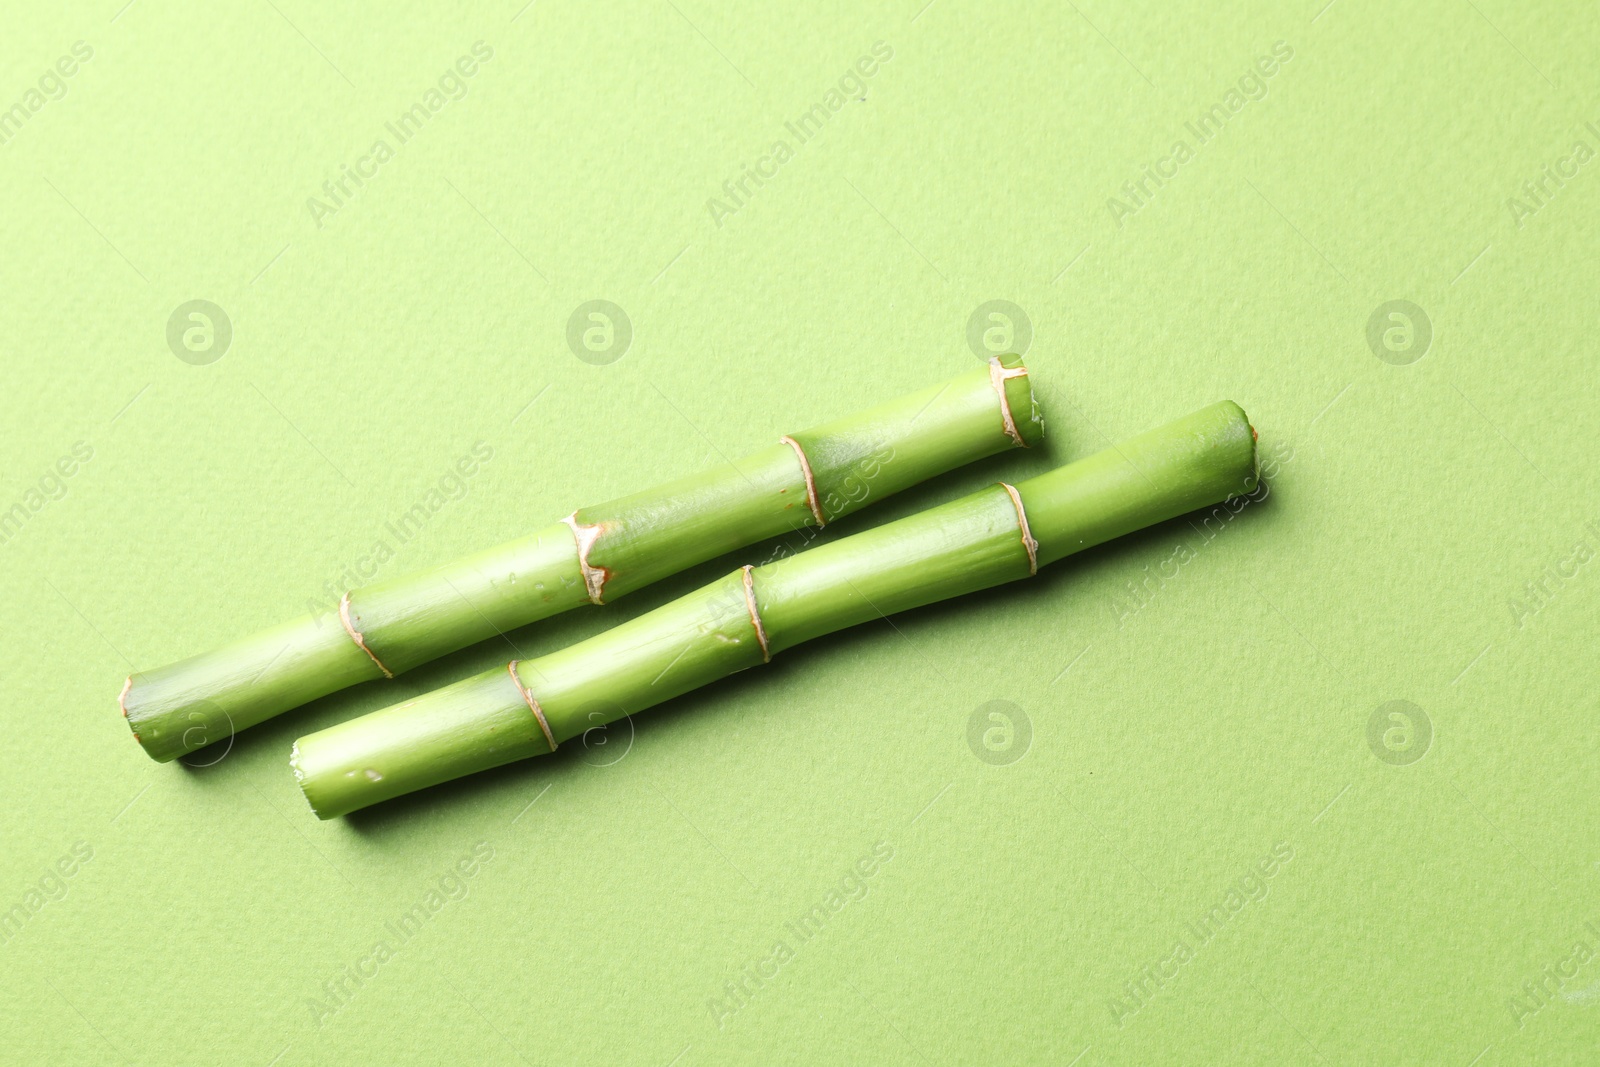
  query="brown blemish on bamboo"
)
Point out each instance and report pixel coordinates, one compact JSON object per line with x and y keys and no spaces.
{"x":355,"y":635}
{"x":755,"y":616}
{"x":997,"y":378}
{"x":1028,"y":542}
{"x":594,"y":578}
{"x":811,"y":481}
{"x":533,"y":705}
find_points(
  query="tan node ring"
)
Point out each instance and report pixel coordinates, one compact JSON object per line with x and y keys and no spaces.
{"x":533,"y":705}
{"x":998,"y":376}
{"x":594,"y":578}
{"x":1028,"y":542}
{"x":755,"y":616}
{"x":355,"y":635}
{"x":811,"y":481}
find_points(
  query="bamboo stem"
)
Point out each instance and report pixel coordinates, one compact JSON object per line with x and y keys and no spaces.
{"x":594,"y":555}
{"x":996,"y":535}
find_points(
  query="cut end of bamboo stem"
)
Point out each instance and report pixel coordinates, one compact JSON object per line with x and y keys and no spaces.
{"x":300,"y":779}
{"x":122,"y":705}
{"x":303,"y":780}
{"x":185,"y":706}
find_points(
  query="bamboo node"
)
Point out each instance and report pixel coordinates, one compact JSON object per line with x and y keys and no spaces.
{"x":755,"y":616}
{"x":594,"y":578}
{"x":1028,"y":542}
{"x":355,"y":635}
{"x":997,"y":378}
{"x":811,"y":481}
{"x":122,"y":697}
{"x":533,"y":705}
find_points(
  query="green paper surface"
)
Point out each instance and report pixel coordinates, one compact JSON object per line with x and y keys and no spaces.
{"x":1309,"y":782}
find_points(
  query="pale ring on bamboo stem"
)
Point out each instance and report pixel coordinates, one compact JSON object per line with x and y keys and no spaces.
{"x":997,"y":378}
{"x":533,"y":705}
{"x":355,"y":635}
{"x":811,"y":481}
{"x":594,"y":578}
{"x":1028,"y":542}
{"x":755,"y":615}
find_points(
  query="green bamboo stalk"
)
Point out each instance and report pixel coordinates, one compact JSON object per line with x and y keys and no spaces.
{"x":594,"y":555}
{"x":996,"y":535}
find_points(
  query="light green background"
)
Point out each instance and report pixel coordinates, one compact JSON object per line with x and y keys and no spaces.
{"x":1171,"y":748}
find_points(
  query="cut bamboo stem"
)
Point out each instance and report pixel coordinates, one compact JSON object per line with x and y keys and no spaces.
{"x":593,"y":556}
{"x":996,"y":535}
